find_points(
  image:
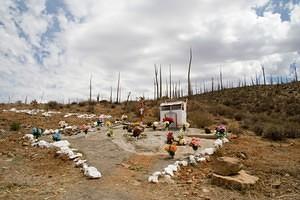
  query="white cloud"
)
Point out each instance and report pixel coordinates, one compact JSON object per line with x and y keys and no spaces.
{"x":131,"y":36}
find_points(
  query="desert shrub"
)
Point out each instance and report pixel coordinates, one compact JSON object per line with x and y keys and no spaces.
{"x":293,"y":109}
{"x":74,"y":103}
{"x":291,"y":130}
{"x":199,"y":119}
{"x":221,"y":110}
{"x":52,"y":105}
{"x":234,"y":128}
{"x":258,"y":129}
{"x":91,"y":108}
{"x":238,"y":116}
{"x":15,"y":126}
{"x":18,"y":102}
{"x":273,"y":132}
{"x":82,"y":103}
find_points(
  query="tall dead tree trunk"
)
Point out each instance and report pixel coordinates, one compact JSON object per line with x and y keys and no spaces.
{"x":256,"y":79}
{"x":212,"y":84}
{"x":90,"y":89}
{"x":154,"y":89}
{"x":156,"y":81}
{"x":25,"y":100}
{"x":160,"y":83}
{"x":263,"y":71}
{"x":110,"y":98}
{"x":190,"y":92}
{"x":221,"y":79}
{"x":118,"y":89}
{"x":167,"y":91}
{"x":271,"y":79}
{"x":296,"y":75}
{"x":170,"y":83}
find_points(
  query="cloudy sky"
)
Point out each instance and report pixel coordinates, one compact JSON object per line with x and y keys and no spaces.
{"x":50,"y":48}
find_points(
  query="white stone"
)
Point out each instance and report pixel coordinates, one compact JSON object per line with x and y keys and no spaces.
{"x":169,"y":171}
{"x":42,"y":144}
{"x":218,"y":143}
{"x":60,"y":144}
{"x":192,"y":160}
{"x":92,"y":172}
{"x":79,"y":163}
{"x":209,"y":151}
{"x":77,"y":155}
{"x":29,"y":137}
{"x":157,"y":173}
{"x":225,"y":140}
{"x":200,"y":159}
{"x":183,"y":163}
{"x":153,"y":179}
{"x":173,"y":167}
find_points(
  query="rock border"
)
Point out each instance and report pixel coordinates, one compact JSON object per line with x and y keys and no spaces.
{"x":168,"y":172}
{"x":65,"y":152}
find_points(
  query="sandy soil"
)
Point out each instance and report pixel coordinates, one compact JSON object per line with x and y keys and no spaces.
{"x":33,"y":173}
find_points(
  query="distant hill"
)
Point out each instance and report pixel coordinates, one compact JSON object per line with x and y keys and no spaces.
{"x":271,"y":110}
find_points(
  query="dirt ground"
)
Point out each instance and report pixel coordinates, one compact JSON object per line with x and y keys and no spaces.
{"x":33,"y":173}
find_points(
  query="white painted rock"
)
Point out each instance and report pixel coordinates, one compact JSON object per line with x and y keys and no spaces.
{"x":192,"y":160}
{"x":169,"y":171}
{"x":225,"y":140}
{"x":62,"y":143}
{"x":92,"y":172}
{"x":218,"y":143}
{"x":209,"y":151}
{"x":42,"y":144}
{"x":200,"y":159}
{"x":153,"y":179}
{"x":79,"y":163}
{"x":77,"y":155}
{"x":183,"y":163}
{"x":29,"y":137}
{"x":173,"y":167}
{"x":157,"y":174}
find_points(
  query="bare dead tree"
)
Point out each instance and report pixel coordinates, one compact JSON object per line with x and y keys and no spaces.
{"x":190,"y":92}
{"x":256,"y":79}
{"x":212,"y":84}
{"x":295,"y":71}
{"x":263,"y":71}
{"x":156,"y":81}
{"x":221,"y":79}
{"x":167,"y":91}
{"x":110,"y":98}
{"x":154,"y":89}
{"x":98,"y":98}
{"x":25,"y":100}
{"x":118,"y":89}
{"x":90,"y":89}
{"x":170,"y":81}
{"x":271,"y":79}
{"x":160,"y":83}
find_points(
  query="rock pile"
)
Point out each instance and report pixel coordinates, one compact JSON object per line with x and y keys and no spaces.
{"x":228,"y":173}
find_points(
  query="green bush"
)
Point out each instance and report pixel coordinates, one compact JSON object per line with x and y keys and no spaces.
{"x":273,"y":132}
{"x":15,"y":126}
{"x":52,"y":105}
{"x":200,"y":120}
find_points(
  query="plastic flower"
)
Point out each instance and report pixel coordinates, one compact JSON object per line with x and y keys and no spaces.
{"x":195,"y":143}
{"x":171,"y":149}
{"x":170,"y":138}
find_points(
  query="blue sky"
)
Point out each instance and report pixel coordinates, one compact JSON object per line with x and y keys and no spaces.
{"x":49,"y":48}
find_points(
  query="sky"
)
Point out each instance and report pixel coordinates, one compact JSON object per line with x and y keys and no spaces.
{"x":49,"y":49}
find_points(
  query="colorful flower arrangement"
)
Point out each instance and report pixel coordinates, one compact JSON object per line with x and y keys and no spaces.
{"x":84,"y":128}
{"x":170,"y":138}
{"x":168,"y":119}
{"x":221,"y":131}
{"x":195,"y":143}
{"x":171,"y":149}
